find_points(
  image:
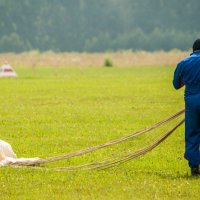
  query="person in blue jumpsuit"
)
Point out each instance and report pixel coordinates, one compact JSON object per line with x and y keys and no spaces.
{"x":187,"y":73}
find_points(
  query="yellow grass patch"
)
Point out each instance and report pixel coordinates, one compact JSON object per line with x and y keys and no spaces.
{"x":119,"y":59}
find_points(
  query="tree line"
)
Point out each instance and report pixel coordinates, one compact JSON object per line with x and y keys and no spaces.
{"x":98,"y":25}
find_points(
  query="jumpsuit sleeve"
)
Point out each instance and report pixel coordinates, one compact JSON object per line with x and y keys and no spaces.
{"x":178,"y":79}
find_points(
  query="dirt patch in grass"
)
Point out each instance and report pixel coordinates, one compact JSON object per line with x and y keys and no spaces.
{"x":119,"y":59}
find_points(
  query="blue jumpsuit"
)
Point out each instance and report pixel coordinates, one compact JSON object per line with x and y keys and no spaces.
{"x":188,"y":73}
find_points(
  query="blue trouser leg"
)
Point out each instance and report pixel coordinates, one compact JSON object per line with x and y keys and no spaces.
{"x":192,"y":130}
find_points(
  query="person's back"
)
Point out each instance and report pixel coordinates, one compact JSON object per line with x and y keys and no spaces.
{"x":188,"y":73}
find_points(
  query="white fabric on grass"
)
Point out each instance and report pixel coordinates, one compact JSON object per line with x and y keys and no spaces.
{"x":8,"y":157}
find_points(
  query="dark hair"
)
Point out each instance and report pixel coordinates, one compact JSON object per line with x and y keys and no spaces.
{"x":196,"y":45}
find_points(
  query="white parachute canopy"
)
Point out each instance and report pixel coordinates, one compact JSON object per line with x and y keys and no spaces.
{"x":7,"y":71}
{"x":8,"y":156}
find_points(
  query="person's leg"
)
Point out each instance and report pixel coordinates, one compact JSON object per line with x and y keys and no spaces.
{"x":192,"y":132}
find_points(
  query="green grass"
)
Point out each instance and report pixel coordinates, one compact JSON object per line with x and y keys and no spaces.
{"x":51,"y":111}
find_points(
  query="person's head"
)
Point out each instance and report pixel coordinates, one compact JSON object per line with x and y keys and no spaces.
{"x":196,"y":45}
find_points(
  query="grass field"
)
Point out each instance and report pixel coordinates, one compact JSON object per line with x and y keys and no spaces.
{"x":51,"y":111}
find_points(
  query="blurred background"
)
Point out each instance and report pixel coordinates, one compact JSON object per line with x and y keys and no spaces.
{"x":98,"y":25}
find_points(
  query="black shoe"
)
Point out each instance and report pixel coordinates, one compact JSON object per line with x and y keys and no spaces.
{"x":195,"y":171}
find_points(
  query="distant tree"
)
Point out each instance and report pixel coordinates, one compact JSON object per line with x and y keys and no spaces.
{"x":13,"y":42}
{"x":91,"y":25}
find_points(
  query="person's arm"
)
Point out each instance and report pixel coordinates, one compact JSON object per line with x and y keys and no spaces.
{"x":178,"y":80}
